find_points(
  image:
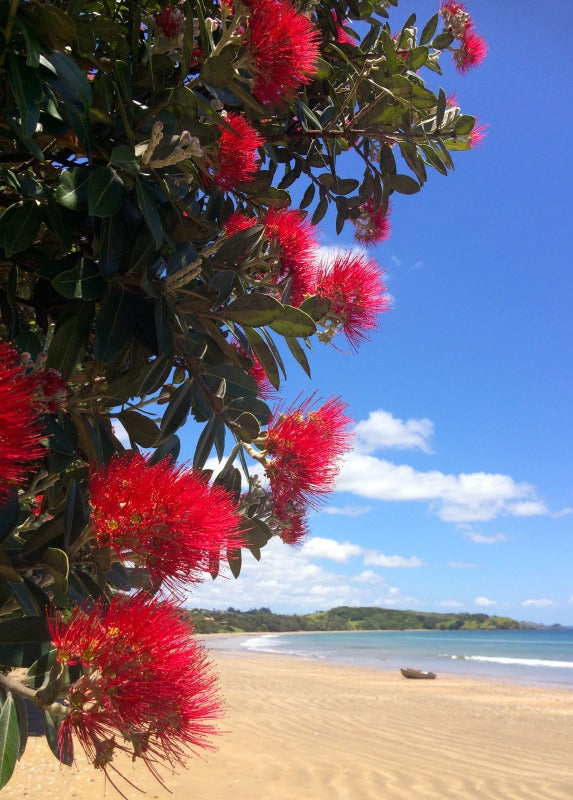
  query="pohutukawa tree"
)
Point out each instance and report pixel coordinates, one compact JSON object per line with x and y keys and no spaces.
{"x":154,"y":269}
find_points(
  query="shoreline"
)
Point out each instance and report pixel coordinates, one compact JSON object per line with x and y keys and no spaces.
{"x":298,"y":728}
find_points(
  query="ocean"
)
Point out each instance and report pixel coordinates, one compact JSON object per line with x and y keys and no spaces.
{"x":536,"y":657}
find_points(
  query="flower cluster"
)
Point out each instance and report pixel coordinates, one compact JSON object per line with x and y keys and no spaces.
{"x":20,"y":426}
{"x":146,"y":688}
{"x":354,"y":287}
{"x":473,"y":49}
{"x":373,"y":224}
{"x":303,"y":450}
{"x":165,"y":517}
{"x":284,"y":46}
{"x":237,"y":155}
{"x":170,"y":20}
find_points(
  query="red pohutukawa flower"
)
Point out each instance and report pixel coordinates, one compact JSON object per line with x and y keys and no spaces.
{"x":237,"y":152}
{"x":147,"y":688}
{"x":297,"y":248}
{"x":353,"y":284}
{"x":373,"y":225}
{"x":51,"y":390}
{"x":163,"y":516}
{"x":472,"y":52}
{"x":473,"y":49}
{"x":285,"y":49}
{"x":477,"y":136}
{"x":20,"y":427}
{"x":170,"y":20}
{"x":303,"y":448}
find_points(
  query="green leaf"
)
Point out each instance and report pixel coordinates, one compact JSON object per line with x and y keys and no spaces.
{"x":293,"y":323}
{"x":274,"y":198}
{"x":235,"y":561}
{"x":123,"y":157}
{"x":56,"y":563}
{"x":238,"y":382}
{"x":169,"y":449}
{"x":441,"y":108}
{"x":19,"y":226}
{"x":140,"y":428}
{"x":429,"y":29}
{"x":112,"y":326}
{"x":402,"y":183}
{"x":320,"y":211}
{"x":81,"y":282}
{"x":177,"y":410}
{"x":418,"y":57}
{"x":308,"y":196}
{"x":9,"y":516}
{"x":74,"y":78}
{"x":9,"y":740}
{"x":464,"y":125}
{"x":105,"y":192}
{"x":72,"y":191}
{"x":27,"y":89}
{"x":316,"y":307}
{"x":22,"y":713}
{"x":253,"y":310}
{"x":443,"y":40}
{"x":299,"y":354}
{"x":218,"y":71}
{"x":51,"y":727}
{"x":163,"y":317}
{"x":148,"y":208}
{"x":69,"y":341}
{"x":76,"y":515}
{"x":264,"y":355}
{"x":247,"y":427}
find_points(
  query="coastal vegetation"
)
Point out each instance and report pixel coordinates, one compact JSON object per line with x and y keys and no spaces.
{"x":343,"y":618}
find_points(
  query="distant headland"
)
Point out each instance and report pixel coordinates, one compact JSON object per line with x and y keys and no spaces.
{"x":347,"y":618}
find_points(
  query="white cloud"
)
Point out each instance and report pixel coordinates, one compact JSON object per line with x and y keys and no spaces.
{"x":382,"y":430}
{"x":528,"y":508}
{"x":317,"y":547}
{"x":287,"y":580}
{"x":375,"y":559}
{"x":541,"y":602}
{"x":479,"y":538}
{"x":461,"y":564}
{"x":368,"y":576}
{"x":451,"y":604}
{"x":484,"y":602}
{"x":467,"y":497}
{"x":347,"y":511}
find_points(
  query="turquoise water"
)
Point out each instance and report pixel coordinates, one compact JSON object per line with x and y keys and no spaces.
{"x":542,"y":657}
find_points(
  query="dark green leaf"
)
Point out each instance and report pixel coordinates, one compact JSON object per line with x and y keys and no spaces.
{"x":147,"y":206}
{"x":9,"y":739}
{"x":402,"y":183}
{"x":464,"y":125}
{"x":163,"y":327}
{"x":112,"y":326}
{"x":169,"y":449}
{"x":293,"y":323}
{"x":69,"y":341}
{"x":81,"y":282}
{"x":65,"y":755}
{"x":443,"y":40}
{"x":418,"y":57}
{"x":247,"y":427}
{"x":57,"y":564}
{"x":10,"y":513}
{"x":177,"y":410}
{"x":218,"y":71}
{"x":140,"y":428}
{"x":429,"y":29}
{"x":235,"y":561}
{"x":105,"y":192}
{"x":320,"y":210}
{"x":441,"y":108}
{"x":253,"y":310}
{"x":27,"y":89}
{"x":308,"y":196}
{"x":72,"y":191}
{"x":74,"y":77}
{"x":264,"y":355}
{"x":299,"y":354}
{"x":19,"y":226}
{"x":123,"y":157}
{"x":76,"y":515}
{"x":118,"y":576}
{"x":22,"y":713}
{"x":316,"y":307}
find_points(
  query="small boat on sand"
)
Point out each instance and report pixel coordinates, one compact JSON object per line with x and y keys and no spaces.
{"x":408,"y":672}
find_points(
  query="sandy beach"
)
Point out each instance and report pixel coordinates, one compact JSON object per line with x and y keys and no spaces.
{"x":299,"y":729}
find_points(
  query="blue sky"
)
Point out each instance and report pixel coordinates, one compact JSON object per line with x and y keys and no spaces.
{"x":459,"y":492}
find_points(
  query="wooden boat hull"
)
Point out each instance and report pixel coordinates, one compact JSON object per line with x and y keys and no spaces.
{"x":408,"y":672}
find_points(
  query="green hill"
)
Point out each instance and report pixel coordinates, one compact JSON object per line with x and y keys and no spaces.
{"x":344,"y":618}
